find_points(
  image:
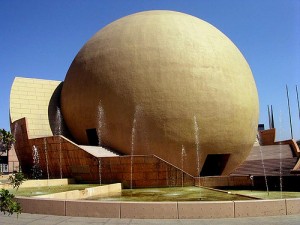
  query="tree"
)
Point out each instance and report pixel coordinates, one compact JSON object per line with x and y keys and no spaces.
{"x":7,"y":201}
{"x":6,"y":141}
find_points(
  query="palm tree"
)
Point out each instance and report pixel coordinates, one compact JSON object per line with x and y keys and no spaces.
{"x":6,"y":141}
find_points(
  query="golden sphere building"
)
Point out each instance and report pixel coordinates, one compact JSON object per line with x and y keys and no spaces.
{"x":165,"y":70}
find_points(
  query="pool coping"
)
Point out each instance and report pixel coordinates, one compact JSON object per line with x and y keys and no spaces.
{"x":161,"y":210}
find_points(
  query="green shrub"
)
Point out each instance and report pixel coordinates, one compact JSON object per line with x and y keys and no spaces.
{"x":16,"y":179}
{"x":8,"y":204}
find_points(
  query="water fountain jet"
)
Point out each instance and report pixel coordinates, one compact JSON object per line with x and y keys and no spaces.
{"x":197,"y":143}
{"x":36,"y":169}
{"x":183,"y":154}
{"x":100,"y":170}
{"x":133,"y":134}
{"x":264,"y":169}
{"x":101,"y":123}
{"x":46,"y":157}
{"x":59,"y":132}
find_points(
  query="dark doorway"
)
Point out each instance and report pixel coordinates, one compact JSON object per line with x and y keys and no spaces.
{"x":92,"y":136}
{"x":214,"y":164}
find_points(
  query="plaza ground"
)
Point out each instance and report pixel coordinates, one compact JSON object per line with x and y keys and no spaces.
{"x":37,"y":219}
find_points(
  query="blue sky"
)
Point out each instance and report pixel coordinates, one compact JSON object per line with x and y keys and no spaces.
{"x":39,"y":39}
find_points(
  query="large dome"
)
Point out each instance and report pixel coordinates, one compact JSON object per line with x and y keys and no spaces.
{"x":161,"y":82}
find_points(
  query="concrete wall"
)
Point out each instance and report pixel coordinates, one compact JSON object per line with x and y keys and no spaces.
{"x":267,"y":137}
{"x":40,"y":183}
{"x":93,"y":209}
{"x":260,"y":208}
{"x":42,"y":206}
{"x":292,"y":206}
{"x":201,"y":210}
{"x":21,"y":145}
{"x":147,"y":171}
{"x":153,"y":210}
{"x":223,"y":181}
{"x":161,"y":210}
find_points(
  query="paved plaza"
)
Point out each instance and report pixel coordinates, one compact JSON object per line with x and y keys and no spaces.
{"x":38,"y":219}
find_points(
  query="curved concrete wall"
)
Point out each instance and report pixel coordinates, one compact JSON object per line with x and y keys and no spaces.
{"x":30,"y":98}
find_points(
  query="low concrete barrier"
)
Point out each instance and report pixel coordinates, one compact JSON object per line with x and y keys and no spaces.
{"x":149,"y":210}
{"x":161,"y":210}
{"x":42,"y":206}
{"x":254,"y":208}
{"x":93,"y":209}
{"x":204,"y":210}
{"x":105,"y":190}
{"x":46,"y":182}
{"x":292,"y":206}
{"x":41,"y":183}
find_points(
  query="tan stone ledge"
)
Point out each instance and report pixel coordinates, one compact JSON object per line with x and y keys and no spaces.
{"x":148,"y":210}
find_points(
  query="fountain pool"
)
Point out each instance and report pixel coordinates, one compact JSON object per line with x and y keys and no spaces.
{"x":172,"y":202}
{"x":173,"y":194}
{"x":263,"y":194}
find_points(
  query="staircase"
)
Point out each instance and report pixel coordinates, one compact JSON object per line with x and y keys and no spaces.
{"x":98,"y":151}
{"x":273,"y":155}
